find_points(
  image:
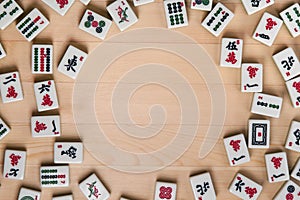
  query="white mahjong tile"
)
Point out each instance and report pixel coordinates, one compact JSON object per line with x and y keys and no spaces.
{"x":259,"y":133}
{"x":122,"y":198}
{"x":72,"y":62}
{"x":252,"y":77}
{"x":268,"y":105}
{"x":203,"y":187}
{"x":65,"y":197}
{"x":85,"y":2}
{"x":61,"y":7}
{"x":165,"y":190}
{"x":42,"y":59}
{"x":287,"y":63}
{"x":32,"y":24}
{"x":205,"y":5}
{"x":4,"y":129}
{"x":277,"y":167}
{"x":296,"y":171}
{"x":45,"y":126}
{"x":293,"y":87}
{"x":93,"y":188}
{"x":245,"y":188}
{"x":290,"y":191}
{"x":68,"y":152}
{"x":95,"y":24}
{"x":267,"y":29}
{"x":45,"y":94}
{"x":293,"y":137}
{"x":14,"y":164}
{"x":2,"y":52}
{"x":231,"y":52}
{"x":254,"y":6}
{"x":291,"y":18}
{"x":10,"y":87}
{"x":217,"y":19}
{"x":176,"y":15}
{"x":9,"y":12}
{"x":54,"y":176}
{"x":28,"y":194}
{"x":122,"y":14}
{"x":141,"y":2}
{"x":236,"y":148}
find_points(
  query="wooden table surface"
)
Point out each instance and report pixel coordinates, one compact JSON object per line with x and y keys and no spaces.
{"x":63,"y":31}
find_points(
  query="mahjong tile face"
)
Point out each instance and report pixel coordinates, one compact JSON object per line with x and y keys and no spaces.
{"x":176,"y":15}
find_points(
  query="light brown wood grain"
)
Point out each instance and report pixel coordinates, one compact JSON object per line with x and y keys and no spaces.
{"x":63,"y":31}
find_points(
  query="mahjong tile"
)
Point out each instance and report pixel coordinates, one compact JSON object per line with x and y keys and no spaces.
{"x":217,"y":19}
{"x":287,"y":63}
{"x":122,"y":14}
{"x":68,"y":152}
{"x":267,"y":29}
{"x":245,"y":188}
{"x":291,"y":18}
{"x":231,"y":52}
{"x":2,"y":52}
{"x":10,"y":87}
{"x":165,"y":190}
{"x":252,"y":77}
{"x":9,"y":12}
{"x":176,"y":15}
{"x":95,"y":24}
{"x":254,"y":6}
{"x":259,"y":134}
{"x":60,"y":6}
{"x":45,"y":94}
{"x":28,"y":194}
{"x":236,"y":148}
{"x":293,"y":87}
{"x":267,"y":105}
{"x":45,"y":126}
{"x":41,"y":59}
{"x":205,"y":5}
{"x":4,"y":129}
{"x":277,"y":167}
{"x":32,"y":24}
{"x":72,"y":62}
{"x":93,"y":188}
{"x":54,"y":176}
{"x":203,"y":187}
{"x":293,"y":137}
{"x":14,"y":164}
